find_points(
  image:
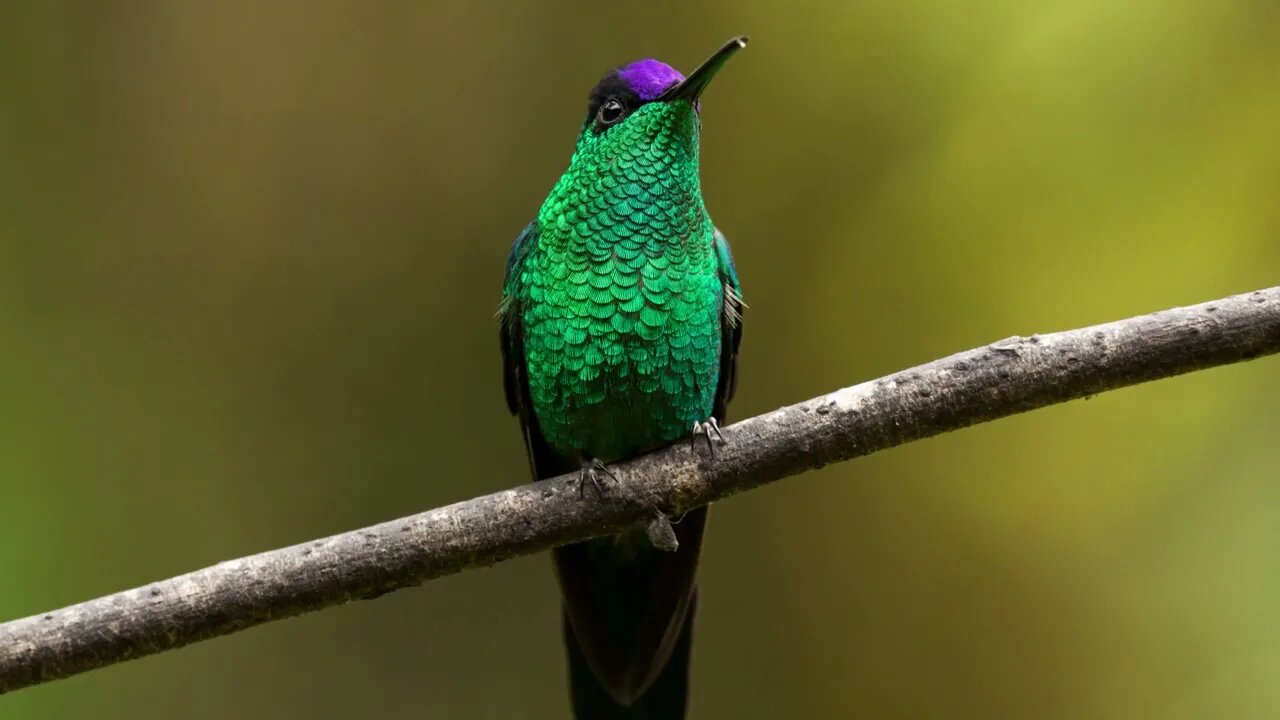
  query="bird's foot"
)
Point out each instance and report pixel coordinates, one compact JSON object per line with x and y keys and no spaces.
{"x":708,"y":429}
{"x":592,"y":469}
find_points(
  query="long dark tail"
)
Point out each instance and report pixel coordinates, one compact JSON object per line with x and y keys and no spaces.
{"x":628,"y":622}
{"x":666,"y":699}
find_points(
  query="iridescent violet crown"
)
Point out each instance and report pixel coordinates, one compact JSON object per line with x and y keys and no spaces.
{"x":649,"y":78}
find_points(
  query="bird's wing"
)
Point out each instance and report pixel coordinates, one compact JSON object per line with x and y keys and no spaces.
{"x":515,"y":379}
{"x":510,"y":325}
{"x":730,"y":327}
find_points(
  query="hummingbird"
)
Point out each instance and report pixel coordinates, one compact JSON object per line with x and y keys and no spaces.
{"x":621,"y":318}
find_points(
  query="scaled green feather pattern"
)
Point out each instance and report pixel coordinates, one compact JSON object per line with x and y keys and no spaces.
{"x":622,"y":292}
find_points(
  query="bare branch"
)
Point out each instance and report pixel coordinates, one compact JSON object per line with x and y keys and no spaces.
{"x":1004,"y":378}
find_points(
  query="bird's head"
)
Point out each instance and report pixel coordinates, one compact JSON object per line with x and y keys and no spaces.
{"x":648,"y":103}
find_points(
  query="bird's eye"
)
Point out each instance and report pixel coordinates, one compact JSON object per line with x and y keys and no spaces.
{"x":610,"y":112}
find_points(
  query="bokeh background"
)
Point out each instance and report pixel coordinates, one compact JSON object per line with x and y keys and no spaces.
{"x":250,"y":254}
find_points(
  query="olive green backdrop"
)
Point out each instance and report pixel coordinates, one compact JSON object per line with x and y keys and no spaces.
{"x":249,"y":259}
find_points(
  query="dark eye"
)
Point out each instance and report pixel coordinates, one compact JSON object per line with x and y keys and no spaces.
{"x":610,"y":112}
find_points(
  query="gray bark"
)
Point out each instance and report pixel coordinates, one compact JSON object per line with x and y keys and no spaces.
{"x":1004,"y":378}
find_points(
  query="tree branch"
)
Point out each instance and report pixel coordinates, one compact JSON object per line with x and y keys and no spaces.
{"x":1004,"y":378}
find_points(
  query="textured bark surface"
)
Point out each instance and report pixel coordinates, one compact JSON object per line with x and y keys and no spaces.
{"x":1000,"y":379}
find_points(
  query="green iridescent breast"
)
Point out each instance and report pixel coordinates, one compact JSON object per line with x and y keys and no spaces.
{"x":621,"y":295}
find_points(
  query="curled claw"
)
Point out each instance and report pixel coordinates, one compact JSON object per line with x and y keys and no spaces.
{"x":707,"y":429}
{"x":592,"y":469}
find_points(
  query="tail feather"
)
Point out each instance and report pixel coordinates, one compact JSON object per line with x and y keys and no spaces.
{"x":666,"y":698}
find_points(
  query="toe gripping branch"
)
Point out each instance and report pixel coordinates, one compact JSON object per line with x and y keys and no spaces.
{"x":708,"y":429}
{"x":592,"y":469}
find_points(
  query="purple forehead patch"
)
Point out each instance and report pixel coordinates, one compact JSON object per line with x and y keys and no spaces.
{"x":648,"y":78}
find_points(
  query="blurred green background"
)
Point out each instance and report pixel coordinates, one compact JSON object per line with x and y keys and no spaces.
{"x":250,"y":255}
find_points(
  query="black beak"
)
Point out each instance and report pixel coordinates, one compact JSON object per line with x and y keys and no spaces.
{"x":691,"y":88}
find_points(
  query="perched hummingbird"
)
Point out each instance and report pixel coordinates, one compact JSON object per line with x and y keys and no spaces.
{"x":621,"y":317}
